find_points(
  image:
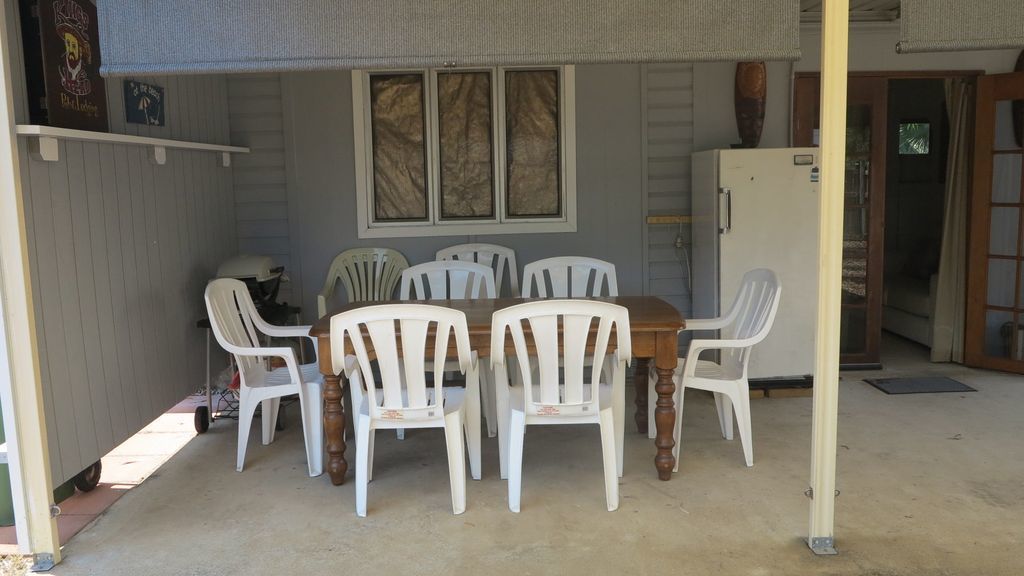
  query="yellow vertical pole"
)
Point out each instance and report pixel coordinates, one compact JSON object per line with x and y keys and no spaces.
{"x":834,"y":54}
{"x":27,"y":447}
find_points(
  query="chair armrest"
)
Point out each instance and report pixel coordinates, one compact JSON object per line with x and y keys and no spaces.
{"x":699,"y":346}
{"x":697,"y":325}
{"x":280,"y":351}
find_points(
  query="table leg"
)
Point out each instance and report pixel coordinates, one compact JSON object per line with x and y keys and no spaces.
{"x":665,"y":419}
{"x":640,"y":383}
{"x":334,"y":426}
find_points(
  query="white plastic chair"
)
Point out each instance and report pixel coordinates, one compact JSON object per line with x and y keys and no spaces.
{"x":498,"y":258}
{"x":455,"y":280}
{"x":405,"y":400}
{"x":748,"y":322}
{"x":369,"y":275}
{"x":447,"y":280}
{"x":238,"y":326}
{"x":559,"y":394}
{"x":569,"y":277}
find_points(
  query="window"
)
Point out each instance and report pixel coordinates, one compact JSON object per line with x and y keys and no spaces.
{"x":915,"y":138}
{"x":465,"y":151}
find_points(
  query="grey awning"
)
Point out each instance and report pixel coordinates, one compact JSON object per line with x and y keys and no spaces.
{"x":946,"y":25}
{"x":185,"y":36}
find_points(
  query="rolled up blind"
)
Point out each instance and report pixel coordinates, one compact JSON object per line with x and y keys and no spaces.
{"x":185,"y":36}
{"x":944,"y":25}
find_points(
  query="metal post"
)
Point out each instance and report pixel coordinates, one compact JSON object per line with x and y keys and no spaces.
{"x":20,"y":384}
{"x":834,"y":54}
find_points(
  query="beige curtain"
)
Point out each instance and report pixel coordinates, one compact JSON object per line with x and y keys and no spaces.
{"x":950,"y":296}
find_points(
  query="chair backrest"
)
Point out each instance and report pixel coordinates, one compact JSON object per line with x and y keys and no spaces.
{"x":232,"y":311}
{"x":752,"y":315}
{"x":569,"y":277}
{"x":388,"y":327}
{"x":453,"y":279}
{"x":499,"y":258}
{"x":369,"y":275}
{"x":559,"y":333}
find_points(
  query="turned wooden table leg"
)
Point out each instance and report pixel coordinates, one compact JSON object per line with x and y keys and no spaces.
{"x":665,"y":412}
{"x":665,"y":419}
{"x":640,"y":383}
{"x":334,"y":426}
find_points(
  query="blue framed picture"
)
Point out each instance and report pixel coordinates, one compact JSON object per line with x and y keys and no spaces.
{"x":143,"y":103}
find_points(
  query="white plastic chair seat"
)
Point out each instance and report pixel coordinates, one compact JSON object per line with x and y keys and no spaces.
{"x":280,"y":377}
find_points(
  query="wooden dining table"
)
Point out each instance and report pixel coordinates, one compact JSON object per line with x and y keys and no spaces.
{"x":654,"y":327}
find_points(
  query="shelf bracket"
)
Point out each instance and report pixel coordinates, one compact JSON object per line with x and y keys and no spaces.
{"x":158,"y":155}
{"x":225,"y":159}
{"x":44,"y":148}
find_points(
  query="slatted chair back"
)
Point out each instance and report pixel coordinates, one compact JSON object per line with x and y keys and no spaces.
{"x":368,"y":274}
{"x":558,"y":333}
{"x":398,"y":336}
{"x":751,"y":317}
{"x":232,"y":312}
{"x":569,"y":277}
{"x":447,"y":280}
{"x":499,"y":258}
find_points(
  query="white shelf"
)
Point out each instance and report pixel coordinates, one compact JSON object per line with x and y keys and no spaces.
{"x":44,"y":143}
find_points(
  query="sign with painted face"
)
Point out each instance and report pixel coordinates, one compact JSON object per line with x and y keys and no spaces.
{"x":76,"y":95}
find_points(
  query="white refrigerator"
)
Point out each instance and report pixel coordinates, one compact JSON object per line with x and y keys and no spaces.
{"x":758,"y":208}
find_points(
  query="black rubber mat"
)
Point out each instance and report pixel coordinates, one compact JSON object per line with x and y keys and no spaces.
{"x":919,"y":385}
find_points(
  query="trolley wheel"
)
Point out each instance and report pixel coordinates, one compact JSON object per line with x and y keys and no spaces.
{"x":89,"y":478}
{"x":202,"y":419}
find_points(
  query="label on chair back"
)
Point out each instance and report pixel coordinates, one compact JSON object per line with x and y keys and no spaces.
{"x":548,"y":411}
{"x":392,"y":415}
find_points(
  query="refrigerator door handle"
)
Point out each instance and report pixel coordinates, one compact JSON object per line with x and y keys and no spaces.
{"x":726,"y":226}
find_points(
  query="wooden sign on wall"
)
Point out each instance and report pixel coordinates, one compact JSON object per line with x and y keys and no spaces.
{"x":143,"y":103}
{"x":62,"y":58}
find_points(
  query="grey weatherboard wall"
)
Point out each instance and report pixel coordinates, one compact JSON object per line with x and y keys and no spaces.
{"x":120,"y":250}
{"x":617,"y":185}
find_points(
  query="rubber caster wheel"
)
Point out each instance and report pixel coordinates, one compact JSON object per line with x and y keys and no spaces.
{"x":89,"y":478}
{"x":202,"y":419}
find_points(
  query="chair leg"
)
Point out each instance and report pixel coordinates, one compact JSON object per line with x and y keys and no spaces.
{"x":517,"y":430}
{"x":471,"y":426}
{"x":311,"y":408}
{"x":724,"y":406}
{"x":400,"y":433}
{"x":501,"y":399}
{"x":487,"y":399}
{"x":246,"y":412}
{"x":619,"y":420}
{"x":677,"y":432}
{"x":269,"y":418}
{"x":456,"y":461}
{"x":362,"y":462}
{"x":741,"y":402}
{"x":608,"y":451}
{"x":369,"y":457}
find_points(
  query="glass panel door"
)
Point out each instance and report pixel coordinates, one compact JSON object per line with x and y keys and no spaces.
{"x":995,"y":299}
{"x":863,"y":225}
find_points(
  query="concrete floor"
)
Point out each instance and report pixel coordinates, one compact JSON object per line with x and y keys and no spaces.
{"x":931,"y":484}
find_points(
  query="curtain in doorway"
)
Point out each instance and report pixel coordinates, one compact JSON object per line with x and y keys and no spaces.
{"x":950,"y":295}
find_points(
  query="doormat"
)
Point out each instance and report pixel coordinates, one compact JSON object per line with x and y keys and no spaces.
{"x":919,"y":385}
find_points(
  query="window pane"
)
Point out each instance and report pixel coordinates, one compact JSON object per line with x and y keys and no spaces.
{"x":399,"y":153}
{"x":466,"y":151}
{"x":531,"y":139}
{"x":915,"y":138}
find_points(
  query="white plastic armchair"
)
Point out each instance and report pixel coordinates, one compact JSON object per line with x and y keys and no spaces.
{"x":237,"y":327}
{"x":447,"y":280}
{"x":369,"y":275}
{"x":499,"y":258}
{"x":559,"y":392}
{"x":747,"y":323}
{"x":404,"y":399}
{"x":569,"y":277}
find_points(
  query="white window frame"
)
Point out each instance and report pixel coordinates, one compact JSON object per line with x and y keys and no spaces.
{"x":433,"y":226}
